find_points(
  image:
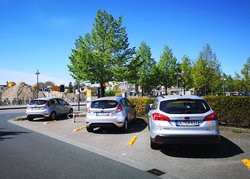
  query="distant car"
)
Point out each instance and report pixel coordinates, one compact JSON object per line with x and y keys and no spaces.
{"x":48,"y":108}
{"x":177,"y":119}
{"x":110,"y":112}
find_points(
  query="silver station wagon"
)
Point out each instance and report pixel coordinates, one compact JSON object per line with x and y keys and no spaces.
{"x":182,"y":119}
{"x":48,"y":108}
{"x":110,"y":112}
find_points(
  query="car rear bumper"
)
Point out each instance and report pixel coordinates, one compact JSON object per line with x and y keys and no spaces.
{"x":187,"y":139}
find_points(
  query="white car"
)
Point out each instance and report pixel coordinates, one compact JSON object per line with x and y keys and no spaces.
{"x":48,"y":108}
{"x":182,"y":119}
{"x":110,"y":112}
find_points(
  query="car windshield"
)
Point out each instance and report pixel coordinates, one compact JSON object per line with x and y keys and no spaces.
{"x":104,"y":104}
{"x":37,"y":102}
{"x":184,"y":106}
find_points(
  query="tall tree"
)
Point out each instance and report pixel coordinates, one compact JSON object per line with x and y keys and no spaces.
{"x":146,"y":70}
{"x":246,"y":75}
{"x":206,"y":72}
{"x":186,"y":73}
{"x":102,"y":55}
{"x":167,"y":68}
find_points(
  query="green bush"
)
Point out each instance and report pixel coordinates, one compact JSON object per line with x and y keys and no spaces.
{"x":231,"y":110}
{"x":109,"y":93}
{"x":141,"y":103}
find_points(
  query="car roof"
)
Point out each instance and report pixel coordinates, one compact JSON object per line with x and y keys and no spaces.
{"x":115,"y":98}
{"x":174,"y":97}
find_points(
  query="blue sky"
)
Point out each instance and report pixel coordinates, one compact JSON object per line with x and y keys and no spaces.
{"x":39,"y":34}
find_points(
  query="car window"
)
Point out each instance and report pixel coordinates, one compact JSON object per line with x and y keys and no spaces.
{"x":104,"y":104}
{"x":37,"y":102}
{"x":54,"y":102}
{"x":61,"y":101}
{"x":184,"y":106}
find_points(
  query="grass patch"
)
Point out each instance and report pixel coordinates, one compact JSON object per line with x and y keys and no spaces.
{"x":20,"y":118}
{"x":235,"y":129}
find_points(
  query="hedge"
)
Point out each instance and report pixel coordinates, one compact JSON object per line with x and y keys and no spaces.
{"x":231,"y":110}
{"x":141,"y":103}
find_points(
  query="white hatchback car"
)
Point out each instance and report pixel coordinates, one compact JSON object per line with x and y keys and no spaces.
{"x":182,"y":119}
{"x":110,"y":112}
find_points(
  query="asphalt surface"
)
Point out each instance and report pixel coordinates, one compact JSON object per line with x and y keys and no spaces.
{"x":177,"y":161}
{"x":28,"y":154}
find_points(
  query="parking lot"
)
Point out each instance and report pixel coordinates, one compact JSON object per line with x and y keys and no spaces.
{"x":133,"y":148}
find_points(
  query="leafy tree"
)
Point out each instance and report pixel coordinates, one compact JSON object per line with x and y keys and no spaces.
{"x":49,"y":83}
{"x":186,"y":73}
{"x":167,"y":68}
{"x":102,"y":55}
{"x":206,"y":72}
{"x":246,"y":75}
{"x":70,"y":88}
{"x":145,"y":72}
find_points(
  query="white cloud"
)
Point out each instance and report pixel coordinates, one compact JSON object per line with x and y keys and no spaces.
{"x":31,"y":78}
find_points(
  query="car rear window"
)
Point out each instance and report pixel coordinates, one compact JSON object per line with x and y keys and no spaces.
{"x":37,"y":102}
{"x":189,"y":106}
{"x":104,"y":104}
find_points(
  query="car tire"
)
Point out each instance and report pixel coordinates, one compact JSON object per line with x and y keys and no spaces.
{"x":154,"y":145}
{"x":125,"y":126}
{"x":70,"y":111}
{"x":89,"y":129}
{"x":30,"y":118}
{"x":52,"y":116}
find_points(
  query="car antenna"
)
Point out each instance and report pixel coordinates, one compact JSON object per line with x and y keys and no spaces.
{"x":162,"y":96}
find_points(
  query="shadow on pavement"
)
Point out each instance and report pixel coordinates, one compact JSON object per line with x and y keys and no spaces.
{"x":136,"y":126}
{"x":43,"y":119}
{"x":225,"y":149}
{"x":9,"y":134}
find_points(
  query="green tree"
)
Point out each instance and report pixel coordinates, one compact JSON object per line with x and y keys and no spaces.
{"x":206,"y":71}
{"x":102,"y":55}
{"x":146,"y":70}
{"x":186,"y":73}
{"x":246,"y":75}
{"x":167,"y":68}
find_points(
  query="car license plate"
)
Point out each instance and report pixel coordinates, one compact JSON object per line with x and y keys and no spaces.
{"x":187,"y":123}
{"x":102,"y":114}
{"x":36,"y":108}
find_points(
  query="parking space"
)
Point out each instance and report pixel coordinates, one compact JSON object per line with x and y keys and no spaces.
{"x":177,"y":161}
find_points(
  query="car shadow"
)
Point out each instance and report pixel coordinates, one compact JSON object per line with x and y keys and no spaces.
{"x":9,"y":134}
{"x":225,"y":149}
{"x":136,"y":126}
{"x":43,"y":119}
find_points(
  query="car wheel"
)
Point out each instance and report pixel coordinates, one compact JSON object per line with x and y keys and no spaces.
{"x":125,"y":126}
{"x":30,"y":118}
{"x":70,"y":111}
{"x":154,"y":145}
{"x":89,"y":129}
{"x":52,"y":116}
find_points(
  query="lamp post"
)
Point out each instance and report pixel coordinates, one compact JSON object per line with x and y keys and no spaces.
{"x":37,"y":86}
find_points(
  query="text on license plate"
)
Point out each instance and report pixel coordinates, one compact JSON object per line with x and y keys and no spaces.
{"x":187,"y":123}
{"x":102,"y":114}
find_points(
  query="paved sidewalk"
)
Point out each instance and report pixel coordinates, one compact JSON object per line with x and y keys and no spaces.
{"x":177,"y":163}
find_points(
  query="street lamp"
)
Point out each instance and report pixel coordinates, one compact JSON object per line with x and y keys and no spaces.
{"x":37,"y":87}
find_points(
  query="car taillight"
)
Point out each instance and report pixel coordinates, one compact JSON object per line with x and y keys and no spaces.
{"x":212,"y":116}
{"x":160,"y":117}
{"x":119,"y":108}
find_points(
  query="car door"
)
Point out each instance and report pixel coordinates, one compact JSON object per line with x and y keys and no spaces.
{"x":130,"y":110}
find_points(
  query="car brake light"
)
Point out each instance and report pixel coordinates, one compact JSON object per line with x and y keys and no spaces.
{"x":119,"y":108}
{"x":212,"y":116}
{"x":160,"y":117}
